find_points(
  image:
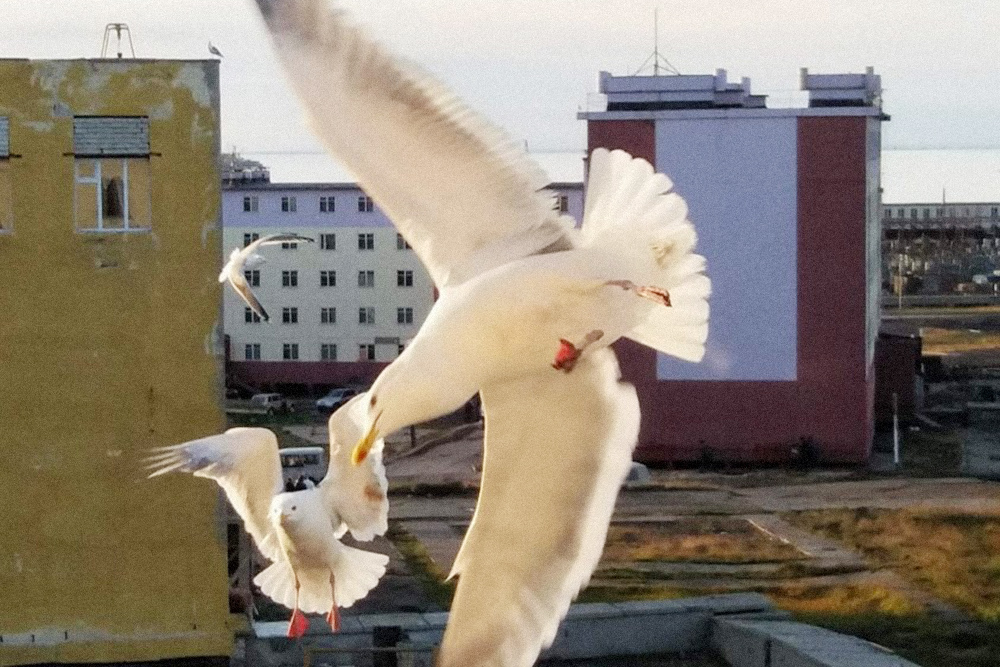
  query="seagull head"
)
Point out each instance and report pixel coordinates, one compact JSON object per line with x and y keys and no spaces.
{"x":412,"y":389}
{"x":291,"y":508}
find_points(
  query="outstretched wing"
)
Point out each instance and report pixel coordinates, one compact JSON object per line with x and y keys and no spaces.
{"x":464,"y":195}
{"x":355,"y":493}
{"x":558,"y":446}
{"x":233,"y":270}
{"x":245,"y":463}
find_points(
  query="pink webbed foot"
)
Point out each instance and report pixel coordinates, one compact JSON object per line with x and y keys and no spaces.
{"x":333,"y":619}
{"x":298,"y":624}
{"x":566,"y":356}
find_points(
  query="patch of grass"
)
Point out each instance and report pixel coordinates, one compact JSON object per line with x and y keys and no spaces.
{"x":928,"y":640}
{"x":931,"y":454}
{"x":950,"y":341}
{"x":702,"y":540}
{"x":845,"y":600}
{"x":422,"y":566}
{"x":599,"y":592}
{"x":950,"y":555}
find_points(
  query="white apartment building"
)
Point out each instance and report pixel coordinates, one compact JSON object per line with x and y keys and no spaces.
{"x":357,"y":294}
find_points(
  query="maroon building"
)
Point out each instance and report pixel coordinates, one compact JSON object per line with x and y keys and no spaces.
{"x":785,"y":201}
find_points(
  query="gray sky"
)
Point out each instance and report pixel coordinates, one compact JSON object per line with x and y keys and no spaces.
{"x":530,"y":64}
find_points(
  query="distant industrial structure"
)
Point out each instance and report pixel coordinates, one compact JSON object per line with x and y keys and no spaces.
{"x":109,"y":248}
{"x":340,"y":308}
{"x":941,"y":248}
{"x":786,"y":204}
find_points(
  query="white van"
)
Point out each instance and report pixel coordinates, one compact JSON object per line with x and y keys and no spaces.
{"x":307,"y":462}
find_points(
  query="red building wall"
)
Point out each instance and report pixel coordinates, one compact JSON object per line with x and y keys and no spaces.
{"x":830,"y":401}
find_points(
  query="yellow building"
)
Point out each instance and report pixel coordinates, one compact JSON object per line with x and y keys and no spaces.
{"x":109,"y":312}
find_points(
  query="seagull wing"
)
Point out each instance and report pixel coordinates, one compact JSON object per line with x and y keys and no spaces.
{"x":355,"y":493}
{"x":558,"y":446}
{"x":245,"y":463}
{"x":462,"y":193}
{"x":233,"y":270}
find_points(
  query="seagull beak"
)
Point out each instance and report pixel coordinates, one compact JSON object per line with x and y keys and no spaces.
{"x":361,"y":449}
{"x":282,"y":519}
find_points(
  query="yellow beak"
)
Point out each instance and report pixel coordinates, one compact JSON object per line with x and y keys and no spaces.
{"x":360,"y":452}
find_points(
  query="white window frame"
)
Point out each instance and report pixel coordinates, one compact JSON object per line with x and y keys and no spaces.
{"x":252,"y":277}
{"x":404,"y":315}
{"x":366,"y":315}
{"x":250,"y":317}
{"x":328,"y":351}
{"x":289,"y":204}
{"x":328,"y":278}
{"x":290,"y":278}
{"x":290,"y":315}
{"x":404,"y":278}
{"x":249,"y":237}
{"x":328,"y":315}
{"x":98,"y":184}
{"x":366,"y":279}
{"x":251,"y":352}
{"x":290,"y":351}
{"x":251,"y":203}
{"x":366,"y":241}
{"x":366,"y":352}
{"x":327,"y":241}
{"x":365,"y":204}
{"x":327,"y":204}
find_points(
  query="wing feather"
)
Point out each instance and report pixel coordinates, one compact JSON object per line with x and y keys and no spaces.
{"x":245,"y":463}
{"x":558,"y":447}
{"x":462,"y":193}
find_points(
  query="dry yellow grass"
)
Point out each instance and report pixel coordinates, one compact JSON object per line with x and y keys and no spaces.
{"x":848,"y":599}
{"x":706,"y":540}
{"x":950,"y":341}
{"x":952,"y":556}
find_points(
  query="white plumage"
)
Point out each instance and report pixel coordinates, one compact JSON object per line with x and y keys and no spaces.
{"x":243,"y":259}
{"x":527,"y":309}
{"x":298,"y":531}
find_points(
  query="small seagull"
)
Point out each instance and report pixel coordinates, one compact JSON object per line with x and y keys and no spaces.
{"x":245,"y":259}
{"x":299,"y":531}
{"x":214,"y":51}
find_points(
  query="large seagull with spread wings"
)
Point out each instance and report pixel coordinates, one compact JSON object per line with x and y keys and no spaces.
{"x":527,"y":309}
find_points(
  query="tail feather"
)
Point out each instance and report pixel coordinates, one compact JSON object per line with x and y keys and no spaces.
{"x":356,"y":572}
{"x":631,"y":211}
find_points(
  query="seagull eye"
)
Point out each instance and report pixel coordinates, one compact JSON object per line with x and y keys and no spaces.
{"x":293,"y":508}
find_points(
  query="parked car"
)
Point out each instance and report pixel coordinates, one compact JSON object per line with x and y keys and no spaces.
{"x":271,"y":403}
{"x":335,"y":398}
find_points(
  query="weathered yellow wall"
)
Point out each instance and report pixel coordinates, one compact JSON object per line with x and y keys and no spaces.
{"x":107,"y":349}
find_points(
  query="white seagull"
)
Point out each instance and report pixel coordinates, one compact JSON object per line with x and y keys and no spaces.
{"x":527,"y":309}
{"x":246,"y":259}
{"x":298,"y":531}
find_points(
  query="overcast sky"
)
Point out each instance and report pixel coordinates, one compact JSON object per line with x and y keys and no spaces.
{"x":529,"y":65}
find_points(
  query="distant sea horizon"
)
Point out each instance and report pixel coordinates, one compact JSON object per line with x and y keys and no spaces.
{"x":922,"y":175}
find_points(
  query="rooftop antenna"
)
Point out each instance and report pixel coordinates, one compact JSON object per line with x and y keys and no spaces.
{"x":118,"y":29}
{"x":659,"y":60}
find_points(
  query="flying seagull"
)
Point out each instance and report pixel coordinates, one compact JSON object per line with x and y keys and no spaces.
{"x":526,"y":311}
{"x":214,"y":51}
{"x":298,"y":531}
{"x":245,"y":259}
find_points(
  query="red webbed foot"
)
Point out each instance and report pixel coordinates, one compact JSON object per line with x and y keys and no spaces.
{"x":333,"y":619}
{"x":566,"y":356}
{"x":298,"y":624}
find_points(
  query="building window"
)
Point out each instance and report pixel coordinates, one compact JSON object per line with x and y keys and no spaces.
{"x":289,"y":278}
{"x":401,"y":243}
{"x":366,"y":352}
{"x":253,"y":277}
{"x":327,"y":204}
{"x":250,"y":317}
{"x":404,"y":278}
{"x":327,"y":241}
{"x":111,"y":194}
{"x":366,"y":241}
{"x":927,"y":214}
{"x":327,"y":278}
{"x":249,"y":238}
{"x":328,"y":316}
{"x":251,"y":204}
{"x":365,"y":204}
{"x":290,"y":351}
{"x":995,"y":212}
{"x":888,"y":213}
{"x":366,"y":315}
{"x":288,"y":204}
{"x":366,"y":279}
{"x":290,"y":315}
{"x":289,"y":245}
{"x":404,"y":316}
{"x":252,"y":352}
{"x":562,"y":203}
{"x":328,"y":351}
{"x":913,"y":214}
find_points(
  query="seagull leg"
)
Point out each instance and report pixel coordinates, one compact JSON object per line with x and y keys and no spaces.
{"x":333,"y":618}
{"x":657,"y":294}
{"x":568,"y":353}
{"x":298,"y":624}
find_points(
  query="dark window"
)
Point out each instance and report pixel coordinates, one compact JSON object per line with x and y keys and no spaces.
{"x":289,"y":278}
{"x":327,"y":241}
{"x":327,"y":204}
{"x":250,"y":317}
{"x":404,"y":316}
{"x":249,"y":238}
{"x":290,"y":315}
{"x":364,"y":204}
{"x":366,"y":241}
{"x":327,"y":278}
{"x":253,"y":277}
{"x":290,"y":351}
{"x":404,"y":278}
